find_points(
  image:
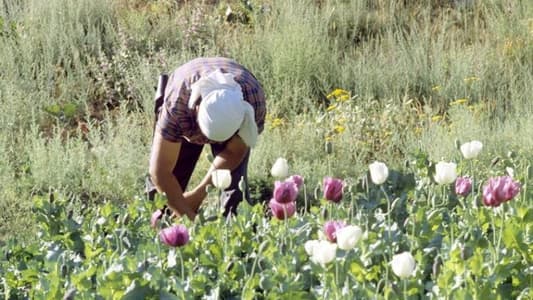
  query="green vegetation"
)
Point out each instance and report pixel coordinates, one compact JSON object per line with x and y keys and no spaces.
{"x":348,"y":82}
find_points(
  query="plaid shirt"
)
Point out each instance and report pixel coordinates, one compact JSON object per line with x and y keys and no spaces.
{"x":177,"y":122}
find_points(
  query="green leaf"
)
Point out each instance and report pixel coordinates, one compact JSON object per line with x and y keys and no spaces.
{"x":462,"y":294}
{"x":167,"y":296}
{"x":357,"y":271}
{"x":265,"y":281}
{"x":90,"y":253}
{"x":38,"y":203}
{"x":53,"y":109}
{"x":137,"y":291}
{"x":51,"y":286}
{"x":78,"y":244}
{"x":199,"y":282}
{"x":525,"y":213}
{"x":509,"y":235}
{"x":315,"y":210}
{"x":159,"y":201}
{"x":249,"y":287}
{"x":513,"y":238}
{"x":207,"y":261}
{"x":106,"y":210}
{"x":297,"y":295}
{"x":69,"y":110}
{"x":82,"y":280}
{"x":373,"y":274}
{"x":475,"y":263}
{"x":244,"y":209}
{"x":30,"y":275}
{"x":216,"y":251}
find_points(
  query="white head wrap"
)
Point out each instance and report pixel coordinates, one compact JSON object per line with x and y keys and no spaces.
{"x":223,"y":110}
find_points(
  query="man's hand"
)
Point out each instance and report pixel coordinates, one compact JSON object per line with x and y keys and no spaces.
{"x":229,"y":158}
{"x":162,"y":161}
{"x":195,"y":198}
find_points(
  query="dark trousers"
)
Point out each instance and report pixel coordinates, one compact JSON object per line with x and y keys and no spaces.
{"x":187,"y":159}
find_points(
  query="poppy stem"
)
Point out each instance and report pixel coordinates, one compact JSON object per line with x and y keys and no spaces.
{"x":495,"y":254}
{"x":336,"y":277}
{"x":502,"y":213}
{"x":405,"y":288}
{"x":388,"y":212}
{"x":160,"y":280}
{"x":287,"y":235}
{"x":305,"y":197}
{"x":178,"y":250}
{"x":473,"y":192}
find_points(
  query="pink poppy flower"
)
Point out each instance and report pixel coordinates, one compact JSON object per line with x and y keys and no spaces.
{"x":333,"y":189}
{"x":282,"y":211}
{"x":174,"y":236}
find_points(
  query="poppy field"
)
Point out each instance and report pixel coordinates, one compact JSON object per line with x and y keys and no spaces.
{"x":443,"y":231}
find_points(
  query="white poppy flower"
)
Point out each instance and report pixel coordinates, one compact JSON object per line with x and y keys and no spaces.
{"x":445,"y":172}
{"x":378,"y":172}
{"x":310,"y":246}
{"x":280,"y":169}
{"x":221,"y":178}
{"x":471,"y":149}
{"x":347,"y":237}
{"x":403,"y":264}
{"x":324,"y":252}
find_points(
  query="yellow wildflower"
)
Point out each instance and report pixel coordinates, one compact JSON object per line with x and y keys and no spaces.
{"x":512,"y":45}
{"x":331,"y":107}
{"x":508,"y":46}
{"x":339,"y":129}
{"x":343,"y":98}
{"x":470,"y":79}
{"x":277,"y":122}
{"x":459,"y":101}
{"x":338,"y":93}
{"x":436,"y":88}
{"x":436,"y":118}
{"x":274,"y":122}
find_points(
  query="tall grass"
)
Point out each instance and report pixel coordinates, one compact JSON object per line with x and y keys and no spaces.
{"x":77,"y":80}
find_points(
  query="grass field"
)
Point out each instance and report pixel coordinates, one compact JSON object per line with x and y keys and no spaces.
{"x":348,"y":83}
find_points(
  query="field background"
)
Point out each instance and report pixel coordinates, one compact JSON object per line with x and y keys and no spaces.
{"x":77,"y":80}
{"x":78,"y":77}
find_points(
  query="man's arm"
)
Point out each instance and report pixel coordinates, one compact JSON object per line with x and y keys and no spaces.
{"x":229,"y":158}
{"x":163,"y":158}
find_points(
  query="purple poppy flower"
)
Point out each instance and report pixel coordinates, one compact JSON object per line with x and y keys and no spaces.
{"x":463,"y":186}
{"x":333,"y":189}
{"x":174,"y":236}
{"x":155,"y":218}
{"x":499,"y":190}
{"x":297,"y":179}
{"x":285,"y":191}
{"x":510,"y":188}
{"x":282,"y":211}
{"x":330,"y":229}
